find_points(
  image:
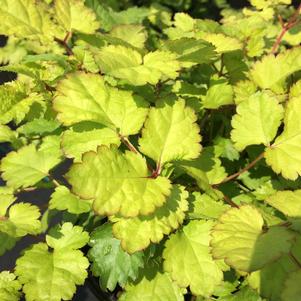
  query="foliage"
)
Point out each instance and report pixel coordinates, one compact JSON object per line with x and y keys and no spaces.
{"x":170,"y":144}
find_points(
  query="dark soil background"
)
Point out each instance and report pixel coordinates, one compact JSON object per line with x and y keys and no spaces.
{"x":90,"y":291}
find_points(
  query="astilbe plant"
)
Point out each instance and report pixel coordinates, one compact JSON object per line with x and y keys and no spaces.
{"x":171,"y":147}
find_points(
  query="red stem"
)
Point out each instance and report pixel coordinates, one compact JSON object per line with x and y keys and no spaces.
{"x":235,"y":175}
{"x":285,"y":28}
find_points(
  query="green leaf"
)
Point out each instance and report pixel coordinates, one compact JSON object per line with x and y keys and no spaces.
{"x":63,"y":199}
{"x":240,"y":239}
{"x":284,"y":154}
{"x":85,"y":97}
{"x":187,"y":258}
{"x":6,"y":242}
{"x":128,"y":64}
{"x":20,"y":219}
{"x":85,"y":137}
{"x":170,"y":133}
{"x":159,"y":288}
{"x":292,"y":290}
{"x":63,"y":268}
{"x":6,"y":134}
{"x":67,"y":237}
{"x":28,"y":165}
{"x":220,"y":93}
{"x":24,"y":18}
{"x":110,"y":263}
{"x":221,"y":42}
{"x":256,"y":121}
{"x":243,"y":90}
{"x":38,"y":127}
{"x":203,"y":206}
{"x":15,"y":103}
{"x":118,"y":183}
{"x":74,"y":15}
{"x":9,"y":287}
{"x":137,"y":233}
{"x":191,"y":51}
{"x":271,"y":72}
{"x":243,"y":295}
{"x":135,"y":35}
{"x":270,"y":280}
{"x":288,"y":202}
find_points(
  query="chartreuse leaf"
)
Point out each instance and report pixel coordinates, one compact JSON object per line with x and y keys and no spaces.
{"x":128,"y":64}
{"x":38,"y":127}
{"x":64,"y":267}
{"x":221,"y":42}
{"x":284,"y":154}
{"x":190,"y":51}
{"x":135,"y":35}
{"x":20,"y":219}
{"x":188,"y":259}
{"x":271,"y":72}
{"x":220,"y":93}
{"x":240,"y":239}
{"x":171,"y":133}
{"x":110,"y":262}
{"x":9,"y":287}
{"x":86,"y":97}
{"x":86,"y":136}
{"x":6,"y":134}
{"x":288,"y":202}
{"x":63,"y":199}
{"x":15,"y":102}
{"x":118,"y":182}
{"x":158,"y":288}
{"x":203,"y":206}
{"x":138,"y":232}
{"x":67,"y":237}
{"x":256,"y":121}
{"x":24,"y":18}
{"x":29,"y":164}
{"x":74,"y":15}
{"x":243,"y":294}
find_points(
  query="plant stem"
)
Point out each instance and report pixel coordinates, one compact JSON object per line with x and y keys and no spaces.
{"x":65,"y":44}
{"x":128,"y":144}
{"x":230,"y":202}
{"x":295,"y":260}
{"x":285,"y":28}
{"x":235,"y":175}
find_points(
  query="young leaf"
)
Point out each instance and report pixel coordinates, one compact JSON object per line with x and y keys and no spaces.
{"x":239,"y":239}
{"x":20,"y":219}
{"x":158,"y":288}
{"x":64,"y":267}
{"x":138,"y":232}
{"x":63,"y":199}
{"x":170,"y":133}
{"x":28,"y":165}
{"x":284,"y":154}
{"x":67,"y":237}
{"x":256,"y":121}
{"x":9,"y":287}
{"x":119,"y":183}
{"x":110,"y":263}
{"x":6,"y":134}
{"x":86,"y":97}
{"x":74,"y":15}
{"x":188,"y":259}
